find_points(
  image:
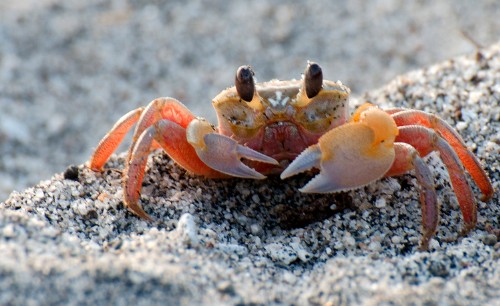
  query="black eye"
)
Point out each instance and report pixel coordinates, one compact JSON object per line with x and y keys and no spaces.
{"x":313,"y":79}
{"x":244,"y":83}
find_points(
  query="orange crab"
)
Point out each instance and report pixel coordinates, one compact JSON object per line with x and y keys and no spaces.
{"x":287,"y":127}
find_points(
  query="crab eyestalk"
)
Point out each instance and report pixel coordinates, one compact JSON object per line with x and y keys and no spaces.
{"x":313,"y":79}
{"x":244,"y":83}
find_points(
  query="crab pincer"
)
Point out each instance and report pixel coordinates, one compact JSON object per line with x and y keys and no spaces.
{"x":349,"y":156}
{"x":222,"y":153}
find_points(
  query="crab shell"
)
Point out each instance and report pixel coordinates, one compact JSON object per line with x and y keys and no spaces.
{"x":281,"y":120}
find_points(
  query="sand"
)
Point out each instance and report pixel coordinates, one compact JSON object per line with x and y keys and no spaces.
{"x":69,"y":70}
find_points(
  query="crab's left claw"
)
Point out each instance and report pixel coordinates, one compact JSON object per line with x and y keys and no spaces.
{"x":222,"y":153}
{"x":349,"y":156}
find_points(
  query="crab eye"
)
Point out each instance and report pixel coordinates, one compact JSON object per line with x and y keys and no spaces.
{"x":244,"y":83}
{"x":313,"y":79}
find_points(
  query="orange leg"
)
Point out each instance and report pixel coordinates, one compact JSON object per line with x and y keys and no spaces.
{"x":162,"y":123}
{"x":113,"y":138}
{"x":168,"y":119}
{"x":174,"y":143}
{"x":407,"y":158}
{"x":172,"y":138}
{"x":425,"y":140}
{"x":134,"y":174}
{"x":415,"y":117}
{"x":161,"y":108}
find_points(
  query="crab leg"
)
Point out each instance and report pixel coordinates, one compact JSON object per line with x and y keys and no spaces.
{"x":425,"y":140}
{"x":407,"y":158}
{"x":415,"y":117}
{"x":134,"y":174}
{"x":161,"y":123}
{"x":161,"y":108}
{"x":172,"y":138}
{"x":113,"y":138}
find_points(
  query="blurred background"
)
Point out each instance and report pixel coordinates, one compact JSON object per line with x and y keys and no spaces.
{"x":69,"y":68}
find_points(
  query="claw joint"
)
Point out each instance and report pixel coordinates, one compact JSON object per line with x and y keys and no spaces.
{"x":196,"y":131}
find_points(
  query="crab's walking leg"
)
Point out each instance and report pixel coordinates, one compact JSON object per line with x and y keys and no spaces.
{"x":163,"y":122}
{"x":172,"y":138}
{"x":415,"y":117}
{"x":407,"y":158}
{"x":149,"y":134}
{"x":134,"y":174}
{"x":113,"y":138}
{"x":425,"y":140}
{"x":169,"y":124}
{"x":161,"y":108}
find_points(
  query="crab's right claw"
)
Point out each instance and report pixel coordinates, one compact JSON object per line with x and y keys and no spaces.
{"x":222,"y":153}
{"x":349,"y":156}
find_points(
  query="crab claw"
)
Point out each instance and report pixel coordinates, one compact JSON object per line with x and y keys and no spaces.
{"x":222,"y":153}
{"x":349,"y":156}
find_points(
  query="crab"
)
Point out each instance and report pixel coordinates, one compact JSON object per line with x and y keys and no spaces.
{"x":288,"y":127}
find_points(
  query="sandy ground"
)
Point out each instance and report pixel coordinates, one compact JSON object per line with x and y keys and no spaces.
{"x":70,"y":240}
{"x":69,"y":69}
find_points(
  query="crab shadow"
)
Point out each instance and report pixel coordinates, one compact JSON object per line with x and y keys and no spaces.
{"x":271,"y":202}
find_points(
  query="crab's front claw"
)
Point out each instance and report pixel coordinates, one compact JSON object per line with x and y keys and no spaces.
{"x":222,"y":153}
{"x":349,"y":156}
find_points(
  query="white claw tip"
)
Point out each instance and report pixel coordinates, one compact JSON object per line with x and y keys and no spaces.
{"x":308,"y":159}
